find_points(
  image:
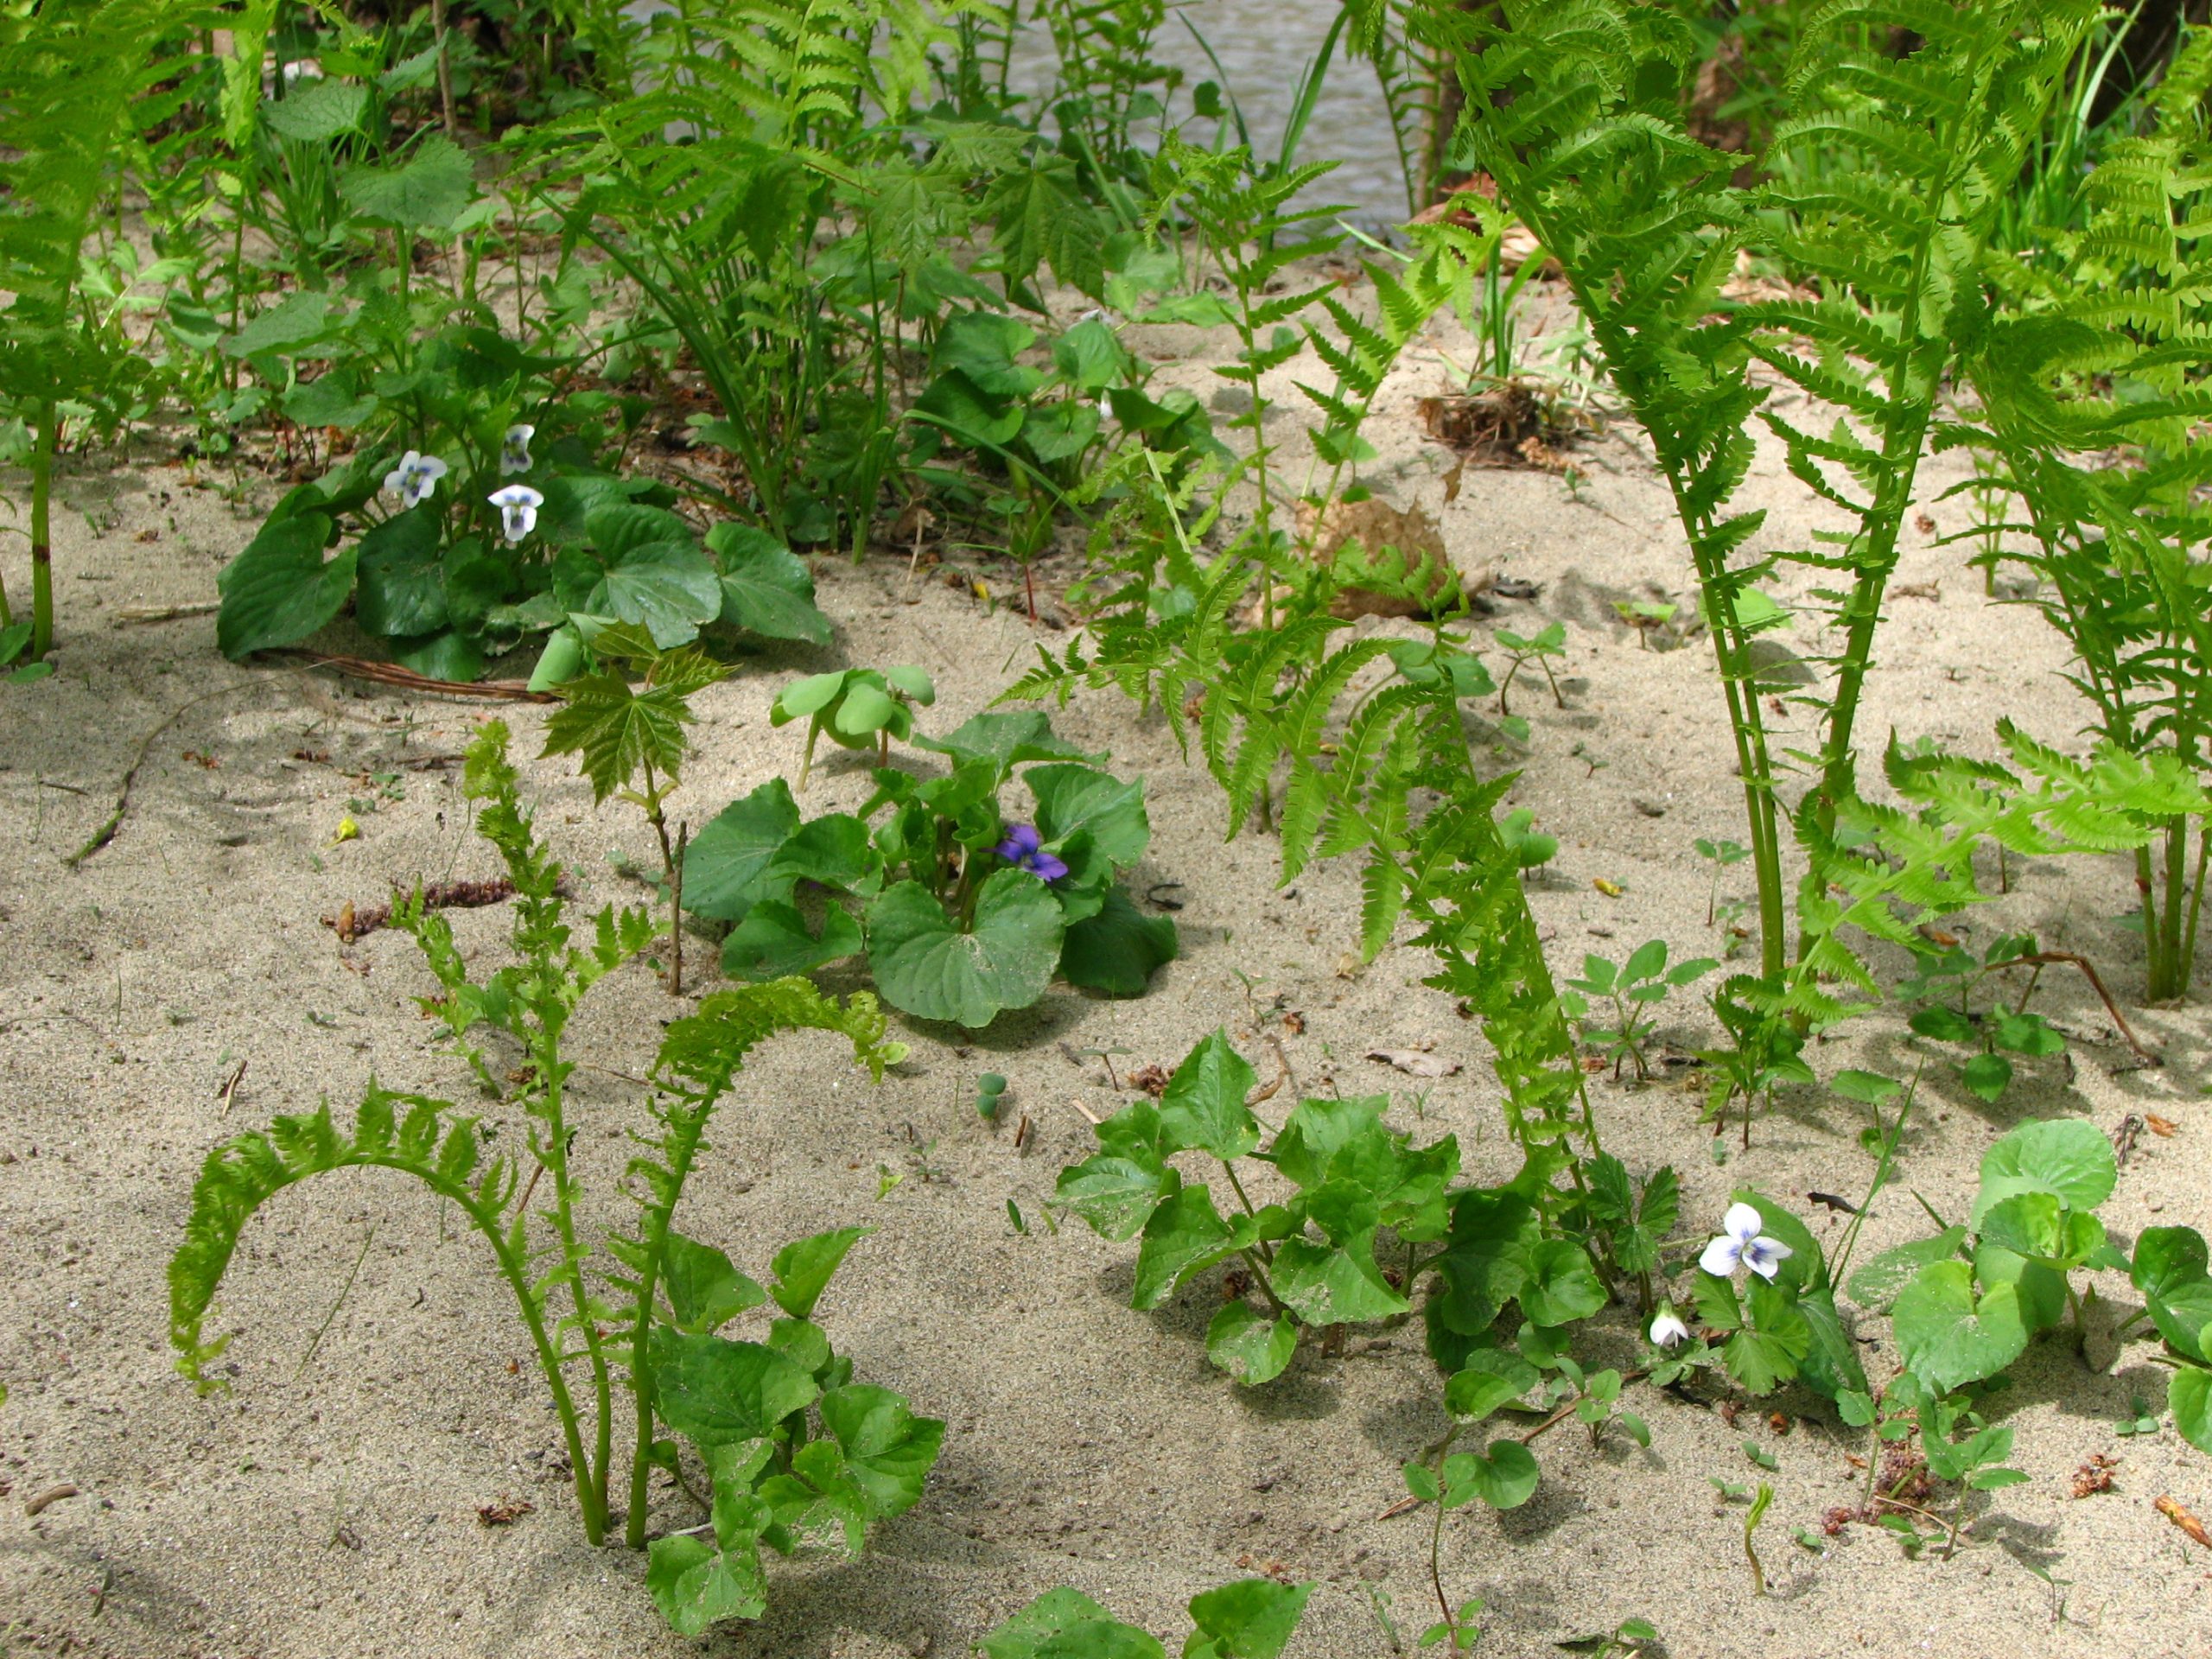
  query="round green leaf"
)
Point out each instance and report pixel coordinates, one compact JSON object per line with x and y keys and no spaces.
{"x":767,"y":588}
{"x":2189,"y":1398}
{"x":280,"y":589}
{"x":928,"y":966}
{"x":1118,"y":950}
{"x":1950,"y":1337}
{"x":1249,"y":1345}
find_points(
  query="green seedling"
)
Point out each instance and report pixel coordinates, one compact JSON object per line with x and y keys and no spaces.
{"x":1530,"y":847}
{"x":858,"y":708}
{"x":1541,"y":650}
{"x":1627,"y":1639}
{"x":1720,"y":855}
{"x":990,"y":1092}
{"x":1634,"y":991}
{"x":1756,"y":1514}
{"x":1250,"y":1618}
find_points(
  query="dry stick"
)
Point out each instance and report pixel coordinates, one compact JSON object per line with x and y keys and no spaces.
{"x":106,"y":833}
{"x":360,"y":668}
{"x":2088,"y":972}
{"x":140,"y":615}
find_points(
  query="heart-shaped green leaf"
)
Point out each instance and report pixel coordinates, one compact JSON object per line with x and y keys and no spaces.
{"x":1249,"y":1344}
{"x":1204,"y":1105}
{"x":1949,"y":1337}
{"x":928,"y":966}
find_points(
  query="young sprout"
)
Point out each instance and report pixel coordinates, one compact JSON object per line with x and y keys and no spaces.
{"x":415,"y":478}
{"x":514,"y":450}
{"x":1741,"y":1244}
{"x":517,"y":505}
{"x":990,"y":1091}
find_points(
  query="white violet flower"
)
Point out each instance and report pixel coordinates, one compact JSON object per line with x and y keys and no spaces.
{"x":1668,"y":1330}
{"x":415,"y":477}
{"x":1742,"y":1245}
{"x":519,"y":504}
{"x":514,"y":450}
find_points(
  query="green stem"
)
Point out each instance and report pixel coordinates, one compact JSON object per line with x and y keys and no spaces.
{"x":545,"y":1053}
{"x":41,"y":541}
{"x":654,"y":1247}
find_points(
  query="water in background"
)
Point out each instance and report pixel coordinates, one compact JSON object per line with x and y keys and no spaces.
{"x":1264,"y":46}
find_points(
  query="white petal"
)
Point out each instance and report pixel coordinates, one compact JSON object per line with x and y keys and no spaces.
{"x":1742,"y":1221}
{"x":1666,"y":1330}
{"x":1762,"y":1255}
{"x":1722,"y":1257}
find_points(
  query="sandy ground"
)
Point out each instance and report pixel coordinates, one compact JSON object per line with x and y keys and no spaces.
{"x":329,"y":1504}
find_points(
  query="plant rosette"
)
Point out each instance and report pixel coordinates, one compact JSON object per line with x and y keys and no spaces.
{"x":962,"y":910}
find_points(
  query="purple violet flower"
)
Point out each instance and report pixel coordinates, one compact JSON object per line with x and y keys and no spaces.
{"x":1024,"y":849}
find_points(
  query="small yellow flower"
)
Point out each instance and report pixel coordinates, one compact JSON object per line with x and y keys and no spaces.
{"x":347,"y":831}
{"x":1611,"y":889}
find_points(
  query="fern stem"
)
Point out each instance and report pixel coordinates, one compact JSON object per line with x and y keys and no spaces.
{"x":41,"y":539}
{"x":683,"y":1145}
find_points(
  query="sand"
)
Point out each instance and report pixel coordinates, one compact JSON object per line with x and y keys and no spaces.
{"x":328,"y":1504}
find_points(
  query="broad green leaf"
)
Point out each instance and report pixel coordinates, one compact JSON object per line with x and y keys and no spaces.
{"x":767,"y":588}
{"x":1252,"y":1619}
{"x":1251,"y":1346}
{"x":448,"y":654}
{"x":986,"y":346}
{"x":717,"y":1392}
{"x":1184,"y":1235}
{"x":281,"y":589}
{"x":1117,"y":1195}
{"x":1948,"y":1336}
{"x":723,"y":865}
{"x":1204,"y":1105}
{"x":2189,"y":1396}
{"x":315,"y":113}
{"x":2063,"y":1156}
{"x":1987,"y":1075}
{"x":643,"y":568}
{"x":1118,"y":950}
{"x":2170,"y":1269}
{"x":615,"y":730}
{"x":1091,"y":356}
{"x":808,"y":696}
{"x":1832,"y":1365}
{"x":1562,"y":1286}
{"x":1771,"y":1348}
{"x":802,"y":1268}
{"x":888,"y":1451}
{"x":695,"y":1585}
{"x":1072,"y":797}
{"x":1006,"y":738}
{"x":1323,"y":1284}
{"x":927,"y":966}
{"x":772,"y":941}
{"x":1065,"y":1624}
{"x":1504,"y":1477}
{"x":293,"y":323}
{"x":402,"y":575}
{"x":427,"y":192}
{"x":833,"y":850}
{"x":705,"y":1289}
{"x":1491,"y":1378}
{"x":1876,"y":1284}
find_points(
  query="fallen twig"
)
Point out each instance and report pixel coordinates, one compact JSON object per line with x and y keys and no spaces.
{"x":392,"y":674}
{"x":107,"y":832}
{"x":2089,"y":972}
{"x":133,"y":616}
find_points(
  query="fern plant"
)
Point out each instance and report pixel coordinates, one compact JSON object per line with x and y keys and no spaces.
{"x":798,"y":1454}
{"x":73,"y":76}
{"x":1576,"y":111}
{"x":2093,"y":358}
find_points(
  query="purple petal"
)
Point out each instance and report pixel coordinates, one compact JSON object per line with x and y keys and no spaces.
{"x":1009,"y":851}
{"x":1046,"y":865}
{"x":1024,"y":836}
